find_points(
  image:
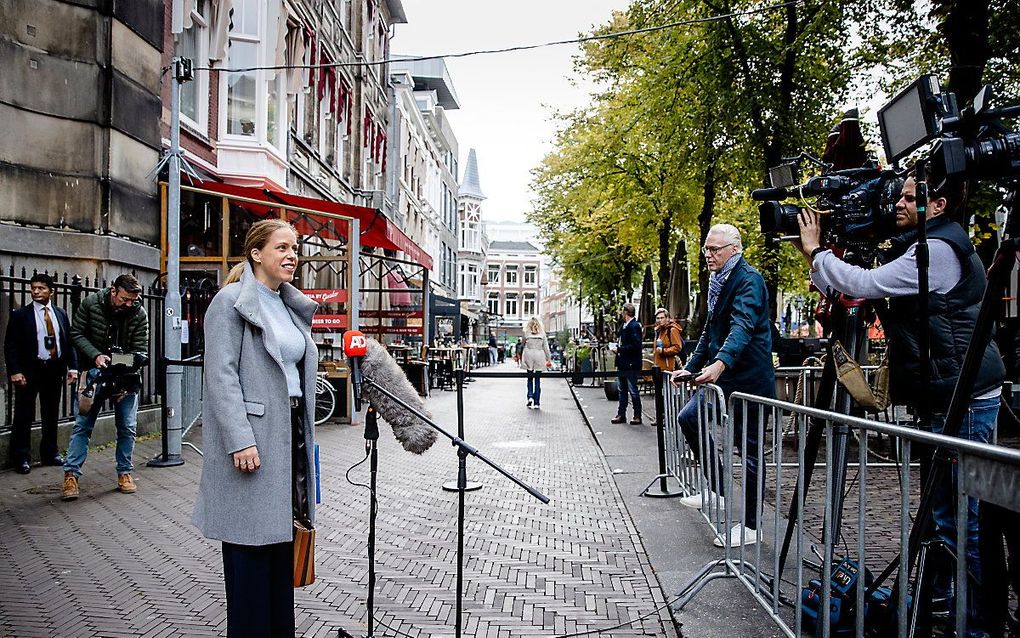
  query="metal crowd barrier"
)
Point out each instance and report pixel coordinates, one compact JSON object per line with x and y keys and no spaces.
{"x":855,"y":525}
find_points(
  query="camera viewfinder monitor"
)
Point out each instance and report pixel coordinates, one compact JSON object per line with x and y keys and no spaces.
{"x":783,"y":175}
{"x":910,"y":119}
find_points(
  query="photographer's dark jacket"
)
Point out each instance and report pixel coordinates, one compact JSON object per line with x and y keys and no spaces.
{"x":952,"y":317}
{"x":96,"y":329}
{"x":738,"y":333}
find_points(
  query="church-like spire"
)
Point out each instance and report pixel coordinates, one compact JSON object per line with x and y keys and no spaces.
{"x":471,"y":187}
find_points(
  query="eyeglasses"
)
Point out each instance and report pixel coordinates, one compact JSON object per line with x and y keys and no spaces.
{"x":714,"y":249}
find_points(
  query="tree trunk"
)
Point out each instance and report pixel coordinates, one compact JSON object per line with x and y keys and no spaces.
{"x":704,"y":224}
{"x":664,"y":258}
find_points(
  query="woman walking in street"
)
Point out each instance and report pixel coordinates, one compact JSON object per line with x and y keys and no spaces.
{"x":260,"y":364}
{"x":535,"y":358}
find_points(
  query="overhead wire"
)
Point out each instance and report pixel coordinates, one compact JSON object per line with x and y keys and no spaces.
{"x":512,"y":49}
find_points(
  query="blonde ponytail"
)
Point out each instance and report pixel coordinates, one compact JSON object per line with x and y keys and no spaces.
{"x":235,"y":274}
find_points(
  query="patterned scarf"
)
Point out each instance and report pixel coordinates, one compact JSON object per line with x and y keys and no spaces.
{"x":717,"y":279}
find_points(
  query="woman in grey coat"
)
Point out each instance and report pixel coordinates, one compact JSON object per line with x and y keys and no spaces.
{"x":258,"y":396}
{"x":535,"y":358}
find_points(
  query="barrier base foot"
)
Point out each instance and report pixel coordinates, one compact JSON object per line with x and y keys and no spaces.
{"x":170,"y":460}
{"x":471,"y":486}
{"x":707,"y":574}
{"x":659,"y":489}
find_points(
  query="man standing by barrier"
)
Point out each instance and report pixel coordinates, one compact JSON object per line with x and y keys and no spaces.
{"x":628,"y":365}
{"x":39,"y":358}
{"x":735,"y":353}
{"x":109,"y":318}
{"x":956,"y":282}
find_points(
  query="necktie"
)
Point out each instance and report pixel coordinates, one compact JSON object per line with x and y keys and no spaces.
{"x":51,"y":334}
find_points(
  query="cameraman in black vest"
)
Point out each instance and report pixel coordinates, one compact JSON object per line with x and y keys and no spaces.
{"x":956,"y":284}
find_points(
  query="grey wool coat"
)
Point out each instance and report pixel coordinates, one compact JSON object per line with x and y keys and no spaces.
{"x":245,"y":403}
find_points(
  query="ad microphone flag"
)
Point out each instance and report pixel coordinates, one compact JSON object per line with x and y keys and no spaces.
{"x":355,"y":348}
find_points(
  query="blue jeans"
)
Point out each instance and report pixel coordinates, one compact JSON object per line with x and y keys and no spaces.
{"x":626,"y":381}
{"x":977,"y":425}
{"x":535,"y":386}
{"x":753,"y":466}
{"x":126,"y":418}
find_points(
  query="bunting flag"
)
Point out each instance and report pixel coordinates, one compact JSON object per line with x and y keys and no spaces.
{"x":310,"y":36}
{"x":349,"y":106}
{"x":384,"y":154}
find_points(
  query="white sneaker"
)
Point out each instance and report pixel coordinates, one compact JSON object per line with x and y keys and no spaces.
{"x":738,"y":535}
{"x":530,"y":402}
{"x":703,"y":498}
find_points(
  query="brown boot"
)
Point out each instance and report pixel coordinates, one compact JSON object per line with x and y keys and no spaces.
{"x":70,"y":491}
{"x":126,"y":485}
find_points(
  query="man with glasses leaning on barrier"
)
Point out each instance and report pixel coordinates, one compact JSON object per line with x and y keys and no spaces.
{"x":735,"y":353}
{"x":956,"y":282}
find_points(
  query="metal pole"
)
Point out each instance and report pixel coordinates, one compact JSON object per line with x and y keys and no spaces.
{"x":172,"y":302}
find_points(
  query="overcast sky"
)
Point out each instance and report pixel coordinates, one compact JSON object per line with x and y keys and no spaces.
{"x":506,"y":99}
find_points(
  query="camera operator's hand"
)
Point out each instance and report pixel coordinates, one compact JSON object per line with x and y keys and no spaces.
{"x":810,"y":233}
{"x":19,"y":379}
{"x":247,"y":460}
{"x":710,"y":373}
{"x":102,"y":361}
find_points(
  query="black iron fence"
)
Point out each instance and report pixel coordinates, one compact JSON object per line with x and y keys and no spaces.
{"x":69,"y":292}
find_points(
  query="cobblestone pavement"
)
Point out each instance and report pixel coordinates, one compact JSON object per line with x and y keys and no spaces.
{"x":116,"y":565}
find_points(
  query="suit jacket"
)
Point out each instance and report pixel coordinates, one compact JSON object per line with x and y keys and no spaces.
{"x":628,"y":355}
{"x":21,"y":347}
{"x":738,"y":333}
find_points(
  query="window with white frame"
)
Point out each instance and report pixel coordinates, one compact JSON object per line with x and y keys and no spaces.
{"x":530,"y":305}
{"x":493,"y":273}
{"x":530,"y":275}
{"x":194,"y":45}
{"x":255,"y":99}
{"x":511,"y":304}
{"x":492,"y":303}
{"x":511,"y":274}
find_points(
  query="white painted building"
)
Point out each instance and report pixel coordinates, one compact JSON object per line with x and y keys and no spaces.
{"x":513,"y":290}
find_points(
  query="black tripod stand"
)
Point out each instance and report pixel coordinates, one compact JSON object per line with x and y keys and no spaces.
{"x":464,"y":449}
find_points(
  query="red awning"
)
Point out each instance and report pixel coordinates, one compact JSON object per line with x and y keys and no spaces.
{"x":376,"y":230}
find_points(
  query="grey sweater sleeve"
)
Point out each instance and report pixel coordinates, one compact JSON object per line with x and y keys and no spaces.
{"x":898,"y":278}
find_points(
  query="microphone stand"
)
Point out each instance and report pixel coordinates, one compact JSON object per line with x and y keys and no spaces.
{"x":456,"y":485}
{"x":371,"y":437}
{"x":463,"y":450}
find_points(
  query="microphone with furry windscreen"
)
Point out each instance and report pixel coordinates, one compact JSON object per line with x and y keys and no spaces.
{"x":376,"y":368}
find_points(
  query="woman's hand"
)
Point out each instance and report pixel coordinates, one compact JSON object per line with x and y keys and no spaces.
{"x":247,"y":460}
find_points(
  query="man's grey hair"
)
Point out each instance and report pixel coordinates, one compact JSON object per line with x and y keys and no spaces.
{"x":730,"y":232}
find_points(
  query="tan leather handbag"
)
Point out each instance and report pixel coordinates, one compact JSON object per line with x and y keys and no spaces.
{"x":304,"y":554}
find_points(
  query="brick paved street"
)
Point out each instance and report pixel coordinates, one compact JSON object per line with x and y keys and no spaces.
{"x":116,"y":565}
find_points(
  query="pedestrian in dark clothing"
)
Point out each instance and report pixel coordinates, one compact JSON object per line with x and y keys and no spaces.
{"x":628,"y":365}
{"x":40,"y":361}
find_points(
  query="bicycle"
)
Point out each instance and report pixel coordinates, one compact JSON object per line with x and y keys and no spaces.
{"x":325,"y":398}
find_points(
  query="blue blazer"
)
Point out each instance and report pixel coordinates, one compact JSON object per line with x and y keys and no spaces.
{"x":21,"y":341}
{"x":628,"y":354}
{"x":738,"y":333}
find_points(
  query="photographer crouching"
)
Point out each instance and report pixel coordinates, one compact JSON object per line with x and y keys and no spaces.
{"x":956,"y":283}
{"x":111,"y":332}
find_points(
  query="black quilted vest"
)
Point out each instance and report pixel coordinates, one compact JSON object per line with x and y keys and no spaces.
{"x":951,"y":318}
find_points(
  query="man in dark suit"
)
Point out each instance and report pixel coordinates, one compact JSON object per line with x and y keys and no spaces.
{"x":628,"y":365}
{"x":735,"y":353}
{"x":40,"y":360}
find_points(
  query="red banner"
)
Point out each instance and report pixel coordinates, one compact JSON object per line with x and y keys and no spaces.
{"x":392,"y":314}
{"x":392,"y":330}
{"x":329,"y":322}
{"x":327,"y":295}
